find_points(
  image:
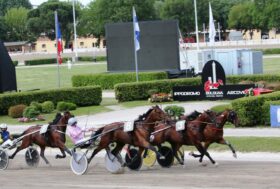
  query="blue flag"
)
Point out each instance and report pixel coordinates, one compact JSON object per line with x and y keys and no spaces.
{"x":136,"y":31}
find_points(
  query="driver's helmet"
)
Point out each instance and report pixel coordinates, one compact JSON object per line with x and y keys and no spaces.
{"x":72,"y":121}
{"x":3,"y":126}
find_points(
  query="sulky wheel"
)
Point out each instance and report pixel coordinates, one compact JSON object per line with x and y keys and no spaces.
{"x":78,"y":163}
{"x":167,"y":153}
{"x":32,"y":157}
{"x":149,"y":158}
{"x":133,"y":161}
{"x":112,"y":164}
{"x":4,"y":159}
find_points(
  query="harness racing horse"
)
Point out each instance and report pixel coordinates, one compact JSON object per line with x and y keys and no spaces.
{"x":54,"y":137}
{"x":143,"y":126}
{"x":189,"y":135}
{"x":214,"y":132}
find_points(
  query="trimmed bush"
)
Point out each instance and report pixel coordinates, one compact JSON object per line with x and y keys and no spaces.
{"x":107,"y":81}
{"x":16,"y":111}
{"x":66,"y":106}
{"x":250,"y":109}
{"x":15,"y":63}
{"x":141,"y":90}
{"x":47,"y":107}
{"x":221,"y":108}
{"x":42,"y":61}
{"x":92,"y":59}
{"x":36,"y":105}
{"x":30,"y":112}
{"x":81,"y":96}
{"x":175,"y":111}
{"x":270,"y":51}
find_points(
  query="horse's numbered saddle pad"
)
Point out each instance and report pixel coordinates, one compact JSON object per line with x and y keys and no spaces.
{"x":128,"y":126}
{"x":180,"y":125}
{"x":44,"y":129}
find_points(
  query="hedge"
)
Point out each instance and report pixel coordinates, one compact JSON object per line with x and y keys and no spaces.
{"x":92,"y":59}
{"x":107,"y":81}
{"x":250,"y":109}
{"x":270,"y":51}
{"x":140,"y":91}
{"x":42,"y":61}
{"x":81,"y":96}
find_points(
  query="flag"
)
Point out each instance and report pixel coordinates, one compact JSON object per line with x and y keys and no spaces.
{"x":58,"y":40}
{"x":212,"y":31}
{"x":136,"y":31}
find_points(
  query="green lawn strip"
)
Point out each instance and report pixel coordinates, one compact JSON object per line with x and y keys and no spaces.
{"x":246,"y":144}
{"x":271,"y":65}
{"x":46,"y":77}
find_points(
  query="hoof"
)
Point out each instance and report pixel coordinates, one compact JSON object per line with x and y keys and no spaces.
{"x":234,"y":155}
{"x":191,"y":153}
{"x":203,"y":164}
{"x":216,"y":164}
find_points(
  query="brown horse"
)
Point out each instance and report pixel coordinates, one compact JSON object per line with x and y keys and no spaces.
{"x":54,"y":137}
{"x":143,"y":126}
{"x":190,"y":135}
{"x":213,"y":132}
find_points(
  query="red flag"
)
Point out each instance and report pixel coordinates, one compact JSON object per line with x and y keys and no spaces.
{"x":58,"y":41}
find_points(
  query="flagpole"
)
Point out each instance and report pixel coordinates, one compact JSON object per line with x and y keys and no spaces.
{"x":75,"y":31}
{"x":196,"y":25}
{"x":135,"y":51}
{"x":57,"y":61}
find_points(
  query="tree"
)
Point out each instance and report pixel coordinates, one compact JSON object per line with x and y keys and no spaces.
{"x":5,"y":5}
{"x":41,"y":19}
{"x":181,"y":10}
{"x":3,"y":29}
{"x":101,"y":12}
{"x":241,"y":17}
{"x":15,"y":20}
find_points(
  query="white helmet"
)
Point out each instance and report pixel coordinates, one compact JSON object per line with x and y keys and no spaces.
{"x":72,"y":121}
{"x":3,"y":126}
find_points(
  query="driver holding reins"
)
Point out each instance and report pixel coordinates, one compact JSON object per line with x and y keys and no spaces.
{"x":5,"y":135}
{"x":75,"y":132}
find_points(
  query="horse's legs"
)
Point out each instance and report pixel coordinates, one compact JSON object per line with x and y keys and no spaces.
{"x":24,"y":145}
{"x":145,"y":144}
{"x":42,"y":154}
{"x":116,"y":152}
{"x":175,"y":150}
{"x":63,"y":149}
{"x":223,"y":141}
{"x":104,"y":143}
{"x":94,"y":153}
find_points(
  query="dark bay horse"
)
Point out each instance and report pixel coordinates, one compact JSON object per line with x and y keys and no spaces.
{"x":214,"y":132}
{"x":54,"y":137}
{"x":190,"y":135}
{"x":139,"y":137}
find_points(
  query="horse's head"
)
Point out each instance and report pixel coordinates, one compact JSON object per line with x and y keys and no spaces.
{"x":154,"y":114}
{"x":193,"y":115}
{"x":233,"y":118}
{"x":61,"y":120}
{"x":208,"y":116}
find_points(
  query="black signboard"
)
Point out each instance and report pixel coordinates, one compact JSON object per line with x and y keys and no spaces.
{"x":185,"y":93}
{"x":213,"y":86}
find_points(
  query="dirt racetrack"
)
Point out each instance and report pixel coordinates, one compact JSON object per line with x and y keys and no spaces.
{"x":229,"y":174}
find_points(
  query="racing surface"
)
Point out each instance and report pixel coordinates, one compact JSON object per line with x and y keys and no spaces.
{"x":229,"y":174}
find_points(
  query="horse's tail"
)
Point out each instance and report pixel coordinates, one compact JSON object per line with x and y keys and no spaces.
{"x":15,"y":136}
